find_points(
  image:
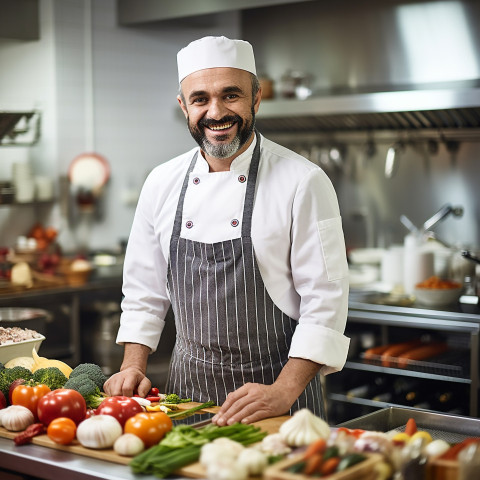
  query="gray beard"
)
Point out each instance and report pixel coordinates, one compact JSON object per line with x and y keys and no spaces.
{"x":221,"y":151}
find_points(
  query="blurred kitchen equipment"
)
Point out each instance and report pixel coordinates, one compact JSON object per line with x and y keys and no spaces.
{"x":295,"y":84}
{"x":391,"y":160}
{"x":408,"y":224}
{"x":418,"y":262}
{"x":88,"y":173}
{"x":31,"y":318}
{"x":392,"y":267}
{"x":441,"y":214}
{"x":467,"y":254}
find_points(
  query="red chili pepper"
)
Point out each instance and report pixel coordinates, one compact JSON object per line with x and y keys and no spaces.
{"x":30,"y":432}
{"x":153,"y":399}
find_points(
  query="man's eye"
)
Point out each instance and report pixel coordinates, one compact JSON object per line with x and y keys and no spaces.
{"x":231,"y":96}
{"x":199,"y":100}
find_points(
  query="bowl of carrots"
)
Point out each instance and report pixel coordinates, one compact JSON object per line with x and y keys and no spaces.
{"x":438,"y":292}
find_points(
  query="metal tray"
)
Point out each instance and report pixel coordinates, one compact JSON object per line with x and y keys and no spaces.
{"x":451,"y":428}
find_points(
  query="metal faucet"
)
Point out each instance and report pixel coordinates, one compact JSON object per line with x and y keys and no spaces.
{"x":441,"y":214}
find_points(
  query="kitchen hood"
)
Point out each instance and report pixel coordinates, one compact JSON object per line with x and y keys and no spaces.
{"x":449,"y":110}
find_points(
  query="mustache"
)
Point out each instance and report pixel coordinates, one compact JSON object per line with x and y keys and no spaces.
{"x":209,"y":122}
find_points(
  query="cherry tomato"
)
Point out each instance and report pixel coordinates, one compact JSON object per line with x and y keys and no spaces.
{"x":150,"y":427}
{"x":29,"y":397}
{"x":154,"y":392}
{"x":119,"y":407}
{"x":62,"y":402}
{"x":62,"y":430}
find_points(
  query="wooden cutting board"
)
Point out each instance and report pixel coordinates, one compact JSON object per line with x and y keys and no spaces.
{"x":195,"y":470}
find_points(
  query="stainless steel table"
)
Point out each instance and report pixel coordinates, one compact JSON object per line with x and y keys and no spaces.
{"x":51,"y":464}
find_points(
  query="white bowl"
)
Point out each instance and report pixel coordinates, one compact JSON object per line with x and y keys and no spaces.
{"x":19,"y":349}
{"x":438,"y":297}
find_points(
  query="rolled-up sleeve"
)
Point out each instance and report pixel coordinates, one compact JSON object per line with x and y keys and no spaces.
{"x":320,"y":274}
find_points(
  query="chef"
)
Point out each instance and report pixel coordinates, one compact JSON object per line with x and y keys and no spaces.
{"x":244,"y":239}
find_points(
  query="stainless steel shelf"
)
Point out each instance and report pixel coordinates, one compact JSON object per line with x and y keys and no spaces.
{"x":406,"y":373}
{"x":386,"y":317}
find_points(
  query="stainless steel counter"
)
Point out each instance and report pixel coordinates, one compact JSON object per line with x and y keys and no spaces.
{"x":50,"y":464}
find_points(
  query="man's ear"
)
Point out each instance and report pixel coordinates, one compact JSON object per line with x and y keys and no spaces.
{"x":182,"y":106}
{"x":258,"y":99}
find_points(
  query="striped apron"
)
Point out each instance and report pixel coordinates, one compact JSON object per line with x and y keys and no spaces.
{"x":228,"y":330}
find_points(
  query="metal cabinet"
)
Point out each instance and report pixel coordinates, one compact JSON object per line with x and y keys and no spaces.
{"x":457,"y":371}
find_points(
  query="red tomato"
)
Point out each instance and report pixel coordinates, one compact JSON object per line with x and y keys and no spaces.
{"x":150,"y":427}
{"x":119,"y":407}
{"x":29,"y":397}
{"x":62,"y":402}
{"x":62,"y":430}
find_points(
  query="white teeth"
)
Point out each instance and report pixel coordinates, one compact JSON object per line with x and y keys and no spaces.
{"x":221,"y":127}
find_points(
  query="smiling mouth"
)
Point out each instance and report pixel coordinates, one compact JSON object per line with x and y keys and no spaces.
{"x":219,"y":128}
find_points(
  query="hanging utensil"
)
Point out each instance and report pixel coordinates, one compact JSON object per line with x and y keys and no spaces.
{"x":409,"y":225}
{"x":441,"y":214}
{"x":391,"y":160}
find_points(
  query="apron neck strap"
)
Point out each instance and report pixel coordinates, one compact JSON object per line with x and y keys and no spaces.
{"x":250,"y":193}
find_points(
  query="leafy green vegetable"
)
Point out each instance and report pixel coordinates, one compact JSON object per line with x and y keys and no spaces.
{"x":174,"y":398}
{"x":87,"y":388}
{"x":53,"y":377}
{"x":92,"y":371}
{"x":180,"y":414}
{"x":181,"y":446}
{"x":8,"y":375}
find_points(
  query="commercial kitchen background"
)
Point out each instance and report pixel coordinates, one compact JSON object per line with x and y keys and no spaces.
{"x":110,"y":87}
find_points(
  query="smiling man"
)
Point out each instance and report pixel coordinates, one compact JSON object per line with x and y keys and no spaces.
{"x":244,"y":239}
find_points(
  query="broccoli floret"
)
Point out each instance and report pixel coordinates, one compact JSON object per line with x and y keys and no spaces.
{"x":8,"y":375}
{"x":174,"y":398}
{"x":92,"y":371}
{"x":53,"y":377}
{"x":87,"y":389}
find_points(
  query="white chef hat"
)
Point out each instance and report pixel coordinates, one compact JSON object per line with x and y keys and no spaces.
{"x":213,"y":52}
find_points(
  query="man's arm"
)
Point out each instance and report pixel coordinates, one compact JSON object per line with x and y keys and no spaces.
{"x":131,"y":378}
{"x":253,"y":401}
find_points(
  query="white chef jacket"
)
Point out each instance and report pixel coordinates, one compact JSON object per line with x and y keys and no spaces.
{"x":296,"y":232}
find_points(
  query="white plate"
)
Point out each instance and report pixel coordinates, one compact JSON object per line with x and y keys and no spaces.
{"x":19,"y":349}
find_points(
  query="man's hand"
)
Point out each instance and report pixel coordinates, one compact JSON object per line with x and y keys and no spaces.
{"x":128,"y":382}
{"x":131,"y":379}
{"x":253,"y":401}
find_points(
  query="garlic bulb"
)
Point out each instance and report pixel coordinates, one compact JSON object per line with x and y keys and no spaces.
{"x":274,"y":444}
{"x":128,"y":445}
{"x":220,"y":448}
{"x":226,"y":469}
{"x":303,"y":428}
{"x":99,"y":431}
{"x":16,"y":418}
{"x":253,"y":460}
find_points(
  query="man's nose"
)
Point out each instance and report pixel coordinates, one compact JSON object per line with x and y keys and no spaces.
{"x":216,"y":109}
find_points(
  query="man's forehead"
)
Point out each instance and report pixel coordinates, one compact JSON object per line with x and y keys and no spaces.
{"x":217,"y":79}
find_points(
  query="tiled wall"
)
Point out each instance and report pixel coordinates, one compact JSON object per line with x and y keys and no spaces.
{"x":137,"y":121}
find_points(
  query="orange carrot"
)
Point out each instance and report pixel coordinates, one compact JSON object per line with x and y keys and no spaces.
{"x":318,"y":446}
{"x":329,"y":466}
{"x":313,"y":464}
{"x":411,"y":427}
